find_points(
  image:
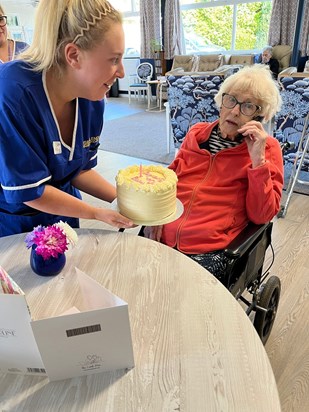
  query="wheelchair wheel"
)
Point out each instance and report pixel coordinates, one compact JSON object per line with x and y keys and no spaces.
{"x":269,"y":299}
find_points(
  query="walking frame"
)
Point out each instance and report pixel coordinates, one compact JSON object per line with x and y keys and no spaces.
{"x":299,"y":161}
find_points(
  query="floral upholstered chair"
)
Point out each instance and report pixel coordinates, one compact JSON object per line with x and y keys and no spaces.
{"x":138,"y":81}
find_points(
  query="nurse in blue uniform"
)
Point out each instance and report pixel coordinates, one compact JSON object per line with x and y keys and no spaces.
{"x":51,"y":117}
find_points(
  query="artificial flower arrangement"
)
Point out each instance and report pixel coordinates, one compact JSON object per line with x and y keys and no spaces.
{"x":51,"y":241}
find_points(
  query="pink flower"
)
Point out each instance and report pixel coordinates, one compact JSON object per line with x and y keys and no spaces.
{"x":50,"y":241}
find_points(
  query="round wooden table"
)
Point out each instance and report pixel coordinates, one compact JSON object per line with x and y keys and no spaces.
{"x":195,"y":348}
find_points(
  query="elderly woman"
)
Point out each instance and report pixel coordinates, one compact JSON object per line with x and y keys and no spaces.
{"x":229,"y":172}
{"x":9,"y":48}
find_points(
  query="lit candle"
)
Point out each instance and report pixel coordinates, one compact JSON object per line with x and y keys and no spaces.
{"x":140,"y":170}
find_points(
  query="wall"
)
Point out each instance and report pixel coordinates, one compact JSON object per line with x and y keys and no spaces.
{"x":25,"y":12}
{"x":129,"y":68}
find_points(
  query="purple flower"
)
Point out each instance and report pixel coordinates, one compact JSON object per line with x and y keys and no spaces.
{"x":31,"y":236}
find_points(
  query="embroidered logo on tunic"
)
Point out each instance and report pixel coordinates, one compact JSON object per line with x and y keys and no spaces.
{"x":94,"y":139}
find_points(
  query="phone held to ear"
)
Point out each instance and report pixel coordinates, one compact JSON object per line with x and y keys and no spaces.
{"x":239,"y":137}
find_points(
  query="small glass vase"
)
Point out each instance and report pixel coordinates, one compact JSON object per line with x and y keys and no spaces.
{"x":48,"y":267}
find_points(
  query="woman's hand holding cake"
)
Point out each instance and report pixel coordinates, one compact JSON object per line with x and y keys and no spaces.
{"x":113,"y":218}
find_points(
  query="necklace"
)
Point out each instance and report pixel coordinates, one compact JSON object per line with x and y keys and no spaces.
{"x":8,"y":57}
{"x":10,"y":52}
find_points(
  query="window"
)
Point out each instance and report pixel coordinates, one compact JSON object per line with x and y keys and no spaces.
{"x":13,"y":20}
{"x":131,"y":25}
{"x":125,"y":6}
{"x":218,"y":25}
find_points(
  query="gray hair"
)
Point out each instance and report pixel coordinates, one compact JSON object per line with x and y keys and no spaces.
{"x":256,"y":80}
{"x":268,"y":49}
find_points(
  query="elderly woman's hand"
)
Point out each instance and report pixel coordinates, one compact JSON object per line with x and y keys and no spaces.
{"x":255,"y":137}
{"x":153,"y":232}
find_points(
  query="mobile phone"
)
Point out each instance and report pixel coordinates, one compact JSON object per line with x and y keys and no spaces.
{"x":239,"y":137}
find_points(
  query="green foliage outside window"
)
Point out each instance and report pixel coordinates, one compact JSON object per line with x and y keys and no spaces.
{"x":216,"y":24}
{"x":252,"y":25}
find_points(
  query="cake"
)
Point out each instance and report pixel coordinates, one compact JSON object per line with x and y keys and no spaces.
{"x":146,"y":194}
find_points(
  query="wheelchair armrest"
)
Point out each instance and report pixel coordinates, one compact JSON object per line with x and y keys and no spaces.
{"x":245,"y":239}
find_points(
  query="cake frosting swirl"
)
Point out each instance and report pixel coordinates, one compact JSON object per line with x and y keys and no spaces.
{"x":146,"y":193}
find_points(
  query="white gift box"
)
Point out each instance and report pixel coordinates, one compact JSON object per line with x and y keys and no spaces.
{"x":18,"y":349}
{"x":91,"y":337}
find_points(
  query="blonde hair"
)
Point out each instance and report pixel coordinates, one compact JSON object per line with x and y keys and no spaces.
{"x":2,"y":11}
{"x":59,"y":22}
{"x":256,"y":80}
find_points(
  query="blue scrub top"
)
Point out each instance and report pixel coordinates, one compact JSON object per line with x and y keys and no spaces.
{"x":32,"y":152}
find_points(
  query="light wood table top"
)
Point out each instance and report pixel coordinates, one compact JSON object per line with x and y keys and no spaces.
{"x":195,"y":348}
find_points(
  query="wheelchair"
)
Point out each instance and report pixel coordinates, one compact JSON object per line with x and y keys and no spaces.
{"x":245,"y":256}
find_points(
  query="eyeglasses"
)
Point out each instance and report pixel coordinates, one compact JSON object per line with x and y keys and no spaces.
{"x":3,"y":21}
{"x":246,"y":108}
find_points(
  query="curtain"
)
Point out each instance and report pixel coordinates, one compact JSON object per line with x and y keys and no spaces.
{"x":304,"y":35}
{"x":150,"y":16}
{"x":172,"y":29}
{"x":282,"y":22}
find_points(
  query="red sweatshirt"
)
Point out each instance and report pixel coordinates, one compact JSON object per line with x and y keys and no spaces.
{"x":221,"y":193}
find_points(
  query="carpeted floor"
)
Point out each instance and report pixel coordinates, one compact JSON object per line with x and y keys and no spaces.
{"x":117,"y":108}
{"x":132,"y":131}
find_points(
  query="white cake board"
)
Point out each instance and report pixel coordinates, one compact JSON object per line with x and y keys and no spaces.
{"x":168,"y":219}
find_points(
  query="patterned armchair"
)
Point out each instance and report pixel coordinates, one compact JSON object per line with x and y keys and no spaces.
{"x":191,"y":100}
{"x":191,"y":94}
{"x":290,"y":121}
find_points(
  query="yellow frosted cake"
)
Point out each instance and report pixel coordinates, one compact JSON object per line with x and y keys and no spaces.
{"x":146,"y":193}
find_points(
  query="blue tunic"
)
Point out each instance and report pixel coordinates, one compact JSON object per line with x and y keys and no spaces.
{"x":19,"y":47}
{"x":32,"y":152}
